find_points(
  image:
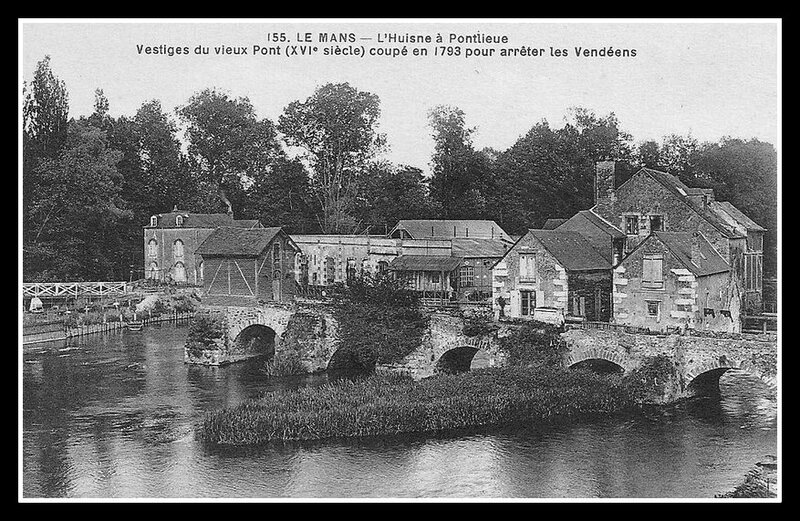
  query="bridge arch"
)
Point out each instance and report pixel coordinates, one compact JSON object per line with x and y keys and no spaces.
{"x":703,"y":378}
{"x":456,"y":359}
{"x":255,"y":340}
{"x":617,"y":358}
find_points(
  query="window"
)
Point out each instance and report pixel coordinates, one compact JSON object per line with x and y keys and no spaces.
{"x":527,"y":268}
{"x":656,"y":223}
{"x":276,"y":255}
{"x":178,"y":220}
{"x":152,"y":248}
{"x":351,"y":270}
{"x":632,"y":225}
{"x":179,"y":272}
{"x":578,"y":306}
{"x":276,"y":275}
{"x":154,"y":220}
{"x":177,"y":249}
{"x":654,"y":308}
{"x":527,"y":302}
{"x":152,"y":272}
{"x":652,"y":272}
{"x":466,"y":276}
{"x":753,"y":271}
{"x":383,"y":266}
{"x":434,"y":278}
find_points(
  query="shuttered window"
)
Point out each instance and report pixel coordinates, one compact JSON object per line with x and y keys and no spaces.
{"x":652,"y":272}
{"x":527,"y":268}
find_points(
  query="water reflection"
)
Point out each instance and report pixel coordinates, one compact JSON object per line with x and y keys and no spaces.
{"x":113,"y":416}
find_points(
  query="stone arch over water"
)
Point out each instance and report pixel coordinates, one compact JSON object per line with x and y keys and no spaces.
{"x":703,"y":378}
{"x":457,"y":359}
{"x":255,"y":339}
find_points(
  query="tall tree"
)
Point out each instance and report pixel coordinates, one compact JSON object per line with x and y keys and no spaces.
{"x":389,"y":193}
{"x":279,"y":196}
{"x":460,"y":172}
{"x":76,"y":208}
{"x":228,"y":145}
{"x":45,"y":111}
{"x":337,"y":129}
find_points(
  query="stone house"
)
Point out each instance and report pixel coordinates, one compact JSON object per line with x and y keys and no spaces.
{"x":248,"y":264}
{"x":170,"y":241}
{"x":652,"y":201}
{"x":675,"y":280}
{"x":553,"y":275}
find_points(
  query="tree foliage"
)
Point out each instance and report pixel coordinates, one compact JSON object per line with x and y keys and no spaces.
{"x":336,"y":127}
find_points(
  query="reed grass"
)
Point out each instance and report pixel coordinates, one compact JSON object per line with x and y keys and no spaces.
{"x":389,"y":404}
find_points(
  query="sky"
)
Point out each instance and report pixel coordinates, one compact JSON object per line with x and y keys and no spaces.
{"x":705,"y":78}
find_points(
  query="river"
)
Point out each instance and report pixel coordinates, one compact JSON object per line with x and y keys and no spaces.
{"x":112,"y":416}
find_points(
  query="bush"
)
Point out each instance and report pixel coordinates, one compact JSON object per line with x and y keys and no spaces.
{"x":534,"y":343}
{"x":203,"y":333}
{"x":651,"y":377}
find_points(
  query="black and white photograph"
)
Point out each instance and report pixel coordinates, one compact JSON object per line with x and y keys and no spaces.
{"x":413,"y":260}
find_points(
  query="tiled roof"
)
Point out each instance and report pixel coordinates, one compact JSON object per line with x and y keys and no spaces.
{"x":479,"y":248}
{"x":680,"y":244}
{"x":449,"y":228}
{"x":601,"y":223}
{"x":738,"y":216}
{"x":231,"y":241}
{"x":424,"y":263}
{"x":571,"y":250}
{"x":202,"y":220}
{"x":552,"y":224}
{"x":708,"y":212}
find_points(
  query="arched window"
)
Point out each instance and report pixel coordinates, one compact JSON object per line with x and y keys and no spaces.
{"x":178,"y":220}
{"x":179,"y":272}
{"x":152,"y":272}
{"x":276,"y":254}
{"x":177,"y":249}
{"x":152,"y":248}
{"x":154,"y":220}
{"x":276,"y":275}
{"x":200,"y":270}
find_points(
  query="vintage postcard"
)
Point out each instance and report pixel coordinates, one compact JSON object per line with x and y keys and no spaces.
{"x":407,"y":260}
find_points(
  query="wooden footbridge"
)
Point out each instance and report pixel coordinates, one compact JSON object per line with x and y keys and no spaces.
{"x":63,"y":290}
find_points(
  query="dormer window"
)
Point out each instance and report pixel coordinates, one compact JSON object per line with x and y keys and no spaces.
{"x":178,"y":220}
{"x":154,"y":220}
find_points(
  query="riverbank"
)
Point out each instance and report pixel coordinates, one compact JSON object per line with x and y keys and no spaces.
{"x":390,"y":404}
{"x":760,"y":482}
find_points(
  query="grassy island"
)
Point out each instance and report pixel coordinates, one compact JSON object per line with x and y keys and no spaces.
{"x":388,"y":404}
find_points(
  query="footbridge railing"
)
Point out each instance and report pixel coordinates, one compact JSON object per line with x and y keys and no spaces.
{"x":74,"y":289}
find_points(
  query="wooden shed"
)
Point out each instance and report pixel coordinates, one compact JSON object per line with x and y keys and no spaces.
{"x":248,"y":264}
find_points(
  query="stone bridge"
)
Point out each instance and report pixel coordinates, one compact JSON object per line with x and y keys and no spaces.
{"x":310,"y":329}
{"x":699,"y":361}
{"x":445,"y":348}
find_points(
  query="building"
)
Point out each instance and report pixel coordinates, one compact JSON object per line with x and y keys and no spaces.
{"x":553,"y":275}
{"x":676,"y":280}
{"x":170,"y":241}
{"x":419,"y":258}
{"x":254,"y":263}
{"x":448,"y":229}
{"x":652,"y":201}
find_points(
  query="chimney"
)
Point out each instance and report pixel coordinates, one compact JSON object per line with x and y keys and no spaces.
{"x":696,"y":255}
{"x":604,"y":195}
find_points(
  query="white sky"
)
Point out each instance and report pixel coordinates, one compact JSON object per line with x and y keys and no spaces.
{"x":710,"y":79}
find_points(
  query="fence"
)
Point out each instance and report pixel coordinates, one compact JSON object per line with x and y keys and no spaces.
{"x":73,"y":289}
{"x":58,"y":331}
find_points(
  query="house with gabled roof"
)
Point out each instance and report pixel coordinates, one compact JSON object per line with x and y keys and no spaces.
{"x":652,"y":200}
{"x":553,"y":276}
{"x":676,"y":280}
{"x":606,"y":238}
{"x":448,"y":229}
{"x":170,"y":241}
{"x":255,"y":264}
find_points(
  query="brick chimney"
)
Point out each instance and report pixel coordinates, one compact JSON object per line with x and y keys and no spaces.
{"x":604,"y":194}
